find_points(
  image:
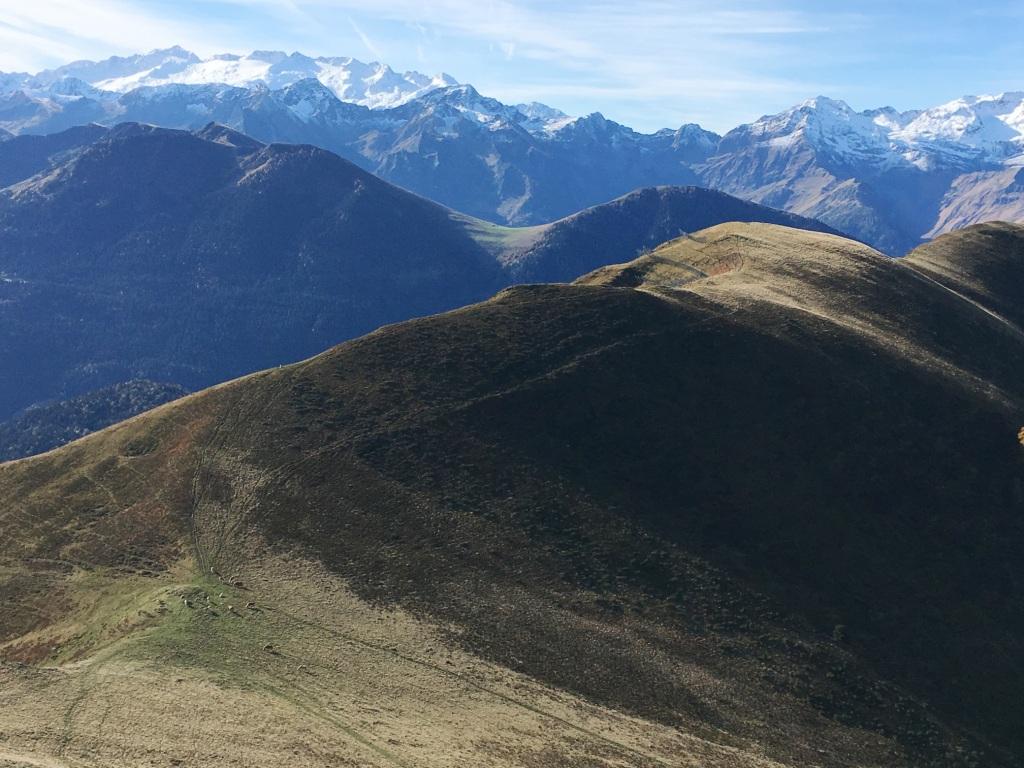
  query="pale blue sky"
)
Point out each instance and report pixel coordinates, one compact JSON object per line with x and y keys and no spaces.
{"x":647,"y":63}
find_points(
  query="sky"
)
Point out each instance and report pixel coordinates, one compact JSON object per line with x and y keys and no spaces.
{"x":645,"y":63}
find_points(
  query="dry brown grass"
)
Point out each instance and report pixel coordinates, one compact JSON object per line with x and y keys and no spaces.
{"x":574,"y":525}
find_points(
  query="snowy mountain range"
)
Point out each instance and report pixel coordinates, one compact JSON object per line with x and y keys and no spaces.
{"x":372,"y":85}
{"x":967,"y":130}
{"x":888,"y":177}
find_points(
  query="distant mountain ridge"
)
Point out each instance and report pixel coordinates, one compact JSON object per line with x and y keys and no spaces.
{"x":888,"y":177}
{"x":369,"y":84}
{"x":190,"y":258}
{"x":452,"y":144}
{"x":891,"y":178}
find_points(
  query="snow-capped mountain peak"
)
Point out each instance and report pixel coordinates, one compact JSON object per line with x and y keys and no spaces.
{"x":891,"y":118}
{"x":73,"y":87}
{"x":540,"y":118}
{"x":991,"y":125}
{"x":986,"y":128}
{"x":311,"y":100}
{"x":371,"y":84}
{"x":446,"y":108}
{"x":94,"y":72}
{"x":828,"y":125}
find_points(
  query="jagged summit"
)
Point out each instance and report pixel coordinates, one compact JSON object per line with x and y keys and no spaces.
{"x":370,"y":84}
{"x":542,"y":117}
{"x":987,"y":127}
{"x":889,"y":177}
{"x":221,"y":134}
{"x":824,"y":124}
{"x":992,"y":126}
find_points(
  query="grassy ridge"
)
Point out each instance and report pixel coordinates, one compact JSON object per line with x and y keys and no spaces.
{"x":755,"y":494}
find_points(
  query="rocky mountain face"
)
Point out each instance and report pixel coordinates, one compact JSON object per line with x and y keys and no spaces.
{"x":452,"y":145}
{"x":480,"y":157}
{"x":24,"y":156}
{"x":889,"y":178}
{"x":993,"y":195}
{"x":886,"y":177}
{"x":140,"y":252}
{"x":752,"y":500}
{"x":372,"y":85}
{"x":519,"y":166}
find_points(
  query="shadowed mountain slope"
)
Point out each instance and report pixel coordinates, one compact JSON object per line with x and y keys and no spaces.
{"x":982,"y":262}
{"x":25,"y":156}
{"x":888,"y":177}
{"x":753,"y":499}
{"x":599,"y":236}
{"x":450,"y":144}
{"x":983,"y":196}
{"x":50,"y":425}
{"x":889,"y":207}
{"x":191,"y":258}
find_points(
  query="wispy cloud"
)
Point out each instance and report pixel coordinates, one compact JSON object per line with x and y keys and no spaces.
{"x":644,"y":49}
{"x":370,"y":45}
{"x":52,"y":31}
{"x":20,"y":47}
{"x":645,"y":61}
